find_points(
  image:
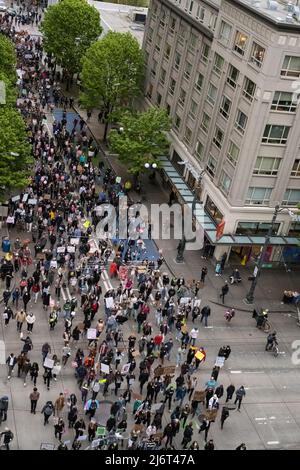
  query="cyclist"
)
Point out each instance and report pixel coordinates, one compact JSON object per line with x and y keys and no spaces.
{"x":271,"y":341}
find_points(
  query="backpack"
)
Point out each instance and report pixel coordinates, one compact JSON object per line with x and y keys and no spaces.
{"x":48,"y":410}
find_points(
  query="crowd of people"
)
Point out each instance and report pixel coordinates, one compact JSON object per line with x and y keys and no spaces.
{"x":150,"y":367}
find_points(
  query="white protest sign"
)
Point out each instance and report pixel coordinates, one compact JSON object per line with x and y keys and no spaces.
{"x":91,"y":333}
{"x":49,"y":363}
{"x":71,"y":249}
{"x":15,"y":198}
{"x":109,"y":301}
{"x":104,"y":368}
{"x":10,"y":220}
{"x":25,"y":197}
{"x":74,"y":241}
{"x":220,"y":361}
{"x":125,"y":368}
{"x":32,"y":202}
{"x":82,"y":438}
{"x":61,"y":249}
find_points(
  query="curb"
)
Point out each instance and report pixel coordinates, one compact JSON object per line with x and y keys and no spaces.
{"x":249,"y":311}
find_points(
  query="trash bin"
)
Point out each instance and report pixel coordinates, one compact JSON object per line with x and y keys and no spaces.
{"x":6,"y":245}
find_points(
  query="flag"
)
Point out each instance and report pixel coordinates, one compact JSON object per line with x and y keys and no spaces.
{"x":220,"y":229}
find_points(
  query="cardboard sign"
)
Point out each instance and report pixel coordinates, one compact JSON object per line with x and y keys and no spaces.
{"x":61,"y":249}
{"x":199,"y":355}
{"x":197,"y":302}
{"x":109,"y":301}
{"x":104,"y":368}
{"x":164,"y":370}
{"x":47,"y":446}
{"x":10,"y":220}
{"x":211,"y":415}
{"x":25,"y":197}
{"x":199,"y":395}
{"x":95,"y":443}
{"x":118,"y":179}
{"x":101,"y":431}
{"x":71,"y":249}
{"x":74,"y":241}
{"x":125,"y":368}
{"x":32,"y":202}
{"x":91,"y":333}
{"x":82,"y":438}
{"x":15,"y":198}
{"x":49,"y":363}
{"x":56,"y":370}
{"x":184,"y":300}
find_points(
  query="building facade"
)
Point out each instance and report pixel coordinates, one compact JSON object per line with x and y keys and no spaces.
{"x":228,"y":73}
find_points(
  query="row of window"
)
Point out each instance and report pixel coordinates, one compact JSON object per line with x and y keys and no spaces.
{"x":262,"y":196}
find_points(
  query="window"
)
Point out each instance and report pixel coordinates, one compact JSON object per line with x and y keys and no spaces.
{"x":199,"y":82}
{"x":255,"y":228}
{"x":158,"y":99}
{"x":177,"y":60}
{"x":181,"y":35}
{"x":213,"y":22}
{"x":291,"y":66}
{"x":266,"y":166}
{"x":191,"y":6}
{"x":291,"y":197}
{"x":157,"y":45}
{"x":241,"y":121}
{"x":168,"y":109}
{"x":162,"y":21}
{"x":205,"y":122}
{"x":283,"y":101}
{"x":233,"y":153}
{"x":173,"y":25}
{"x":225,"y":32}
{"x":275,"y":134}
{"x":172,"y":86}
{"x":212,"y":94}
{"x":211,"y":165}
{"x":153,"y":70}
{"x":218,"y":137}
{"x":177,"y":122}
{"x":257,"y":54}
{"x":225,"y":182}
{"x":199,"y":149}
{"x":150,"y":35}
{"x":233,"y":75}
{"x":259,"y":196}
{"x":240,"y":42}
{"x":167,"y":51}
{"x":296,"y":168}
{"x":188,"y":70}
{"x":294,"y":230}
{"x":188,"y":135}
{"x":249,"y":89}
{"x":205,"y":53}
{"x":182,"y":97}
{"x":218,"y":64}
{"x":225,"y":107}
{"x":200,"y":13}
{"x":162,"y":76}
{"x":193,"y":42}
{"x":193,"y":109}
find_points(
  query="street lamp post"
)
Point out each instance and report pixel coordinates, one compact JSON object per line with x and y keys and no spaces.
{"x":250,"y":296}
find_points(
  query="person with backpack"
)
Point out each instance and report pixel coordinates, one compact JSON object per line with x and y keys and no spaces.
{"x":7,"y":437}
{"x":48,"y":411}
{"x":187,"y":435}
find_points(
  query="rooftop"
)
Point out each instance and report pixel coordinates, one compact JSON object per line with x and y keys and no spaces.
{"x":117,"y":17}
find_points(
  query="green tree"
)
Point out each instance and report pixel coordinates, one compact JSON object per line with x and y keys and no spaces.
{"x":8,"y":58}
{"x":69,"y":28}
{"x":10,"y":91}
{"x":112,"y":73}
{"x":15,"y":151}
{"x":141,"y":139}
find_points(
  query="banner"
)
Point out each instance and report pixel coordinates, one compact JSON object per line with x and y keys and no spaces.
{"x":220,"y":229}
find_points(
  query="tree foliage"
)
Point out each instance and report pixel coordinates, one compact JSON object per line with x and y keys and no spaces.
{"x":112,"y":72}
{"x":69,"y":28}
{"x":8,"y":58}
{"x":142,"y":139}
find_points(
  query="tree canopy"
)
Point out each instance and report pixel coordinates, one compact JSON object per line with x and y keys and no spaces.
{"x":112,"y":72}
{"x":142,"y":138}
{"x":15,"y":151}
{"x":69,"y":28}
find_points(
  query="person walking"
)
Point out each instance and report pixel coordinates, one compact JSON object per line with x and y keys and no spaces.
{"x":11,"y":362}
{"x":205,"y":313}
{"x":4,"y":401}
{"x":224,"y":291}
{"x":25,"y":370}
{"x":46,"y":349}
{"x":239,"y":394}
{"x":224,"y":415}
{"x":203,"y":274}
{"x":59,"y":404}
{"x":242,"y":446}
{"x":209,"y":445}
{"x":48,"y":410}
{"x":187,"y":435}
{"x":20,"y":319}
{"x":205,"y":425}
{"x":229,"y":392}
{"x":91,"y":407}
{"x":30,"y":319}
{"x":47,"y":376}
{"x":34,"y":397}
{"x":7,"y":436}
{"x":59,"y":428}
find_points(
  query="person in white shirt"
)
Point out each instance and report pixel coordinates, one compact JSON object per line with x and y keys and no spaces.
{"x":193,"y":336}
{"x":30,"y":319}
{"x":150,"y":431}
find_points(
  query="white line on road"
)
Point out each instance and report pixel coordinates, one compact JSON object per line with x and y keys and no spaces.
{"x":235,"y":371}
{"x":271,"y":443}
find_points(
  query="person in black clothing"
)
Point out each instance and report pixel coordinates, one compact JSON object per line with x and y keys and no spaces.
{"x":230,"y":391}
{"x":187,"y":435}
{"x":209,"y":445}
{"x":242,"y":446}
{"x":7,"y":437}
{"x":169,"y":432}
{"x":224,"y":415}
{"x":225,"y":290}
{"x":205,"y":425}
{"x":168,"y":396}
{"x":79,"y":427}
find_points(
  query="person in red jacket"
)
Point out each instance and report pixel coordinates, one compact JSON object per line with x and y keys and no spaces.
{"x":158,"y":339}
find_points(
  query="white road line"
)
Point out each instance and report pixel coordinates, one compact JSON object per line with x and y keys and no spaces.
{"x":63,"y":294}
{"x":260,"y":419}
{"x":235,"y":371}
{"x":271,"y":443}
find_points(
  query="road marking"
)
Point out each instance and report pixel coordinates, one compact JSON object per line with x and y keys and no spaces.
{"x":63,"y":294}
{"x":68,"y":292}
{"x":260,"y":419}
{"x":271,"y":443}
{"x":235,"y":371}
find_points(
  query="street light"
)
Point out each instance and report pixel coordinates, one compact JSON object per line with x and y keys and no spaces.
{"x":250,"y":296}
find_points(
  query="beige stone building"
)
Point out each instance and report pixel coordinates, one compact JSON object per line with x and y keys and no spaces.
{"x":228,"y":72}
